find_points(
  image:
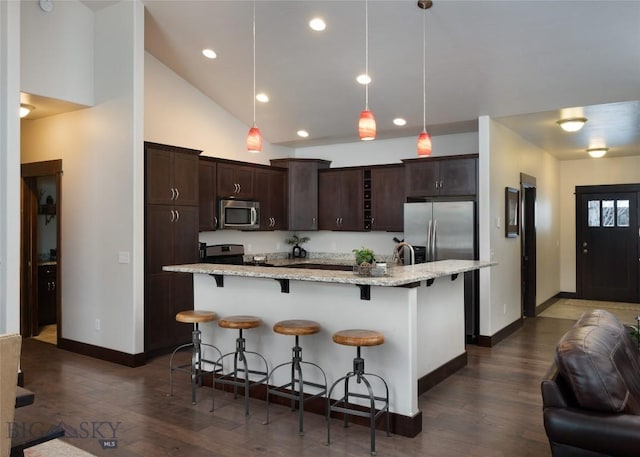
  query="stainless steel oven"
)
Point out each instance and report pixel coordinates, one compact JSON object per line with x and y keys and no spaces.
{"x":239,"y":214}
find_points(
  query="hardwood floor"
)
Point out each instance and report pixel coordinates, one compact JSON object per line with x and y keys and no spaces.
{"x":490,"y":408}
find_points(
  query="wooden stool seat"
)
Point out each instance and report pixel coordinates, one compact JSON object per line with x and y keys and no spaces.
{"x":358,"y":337}
{"x":194,"y":316}
{"x":240,"y":322}
{"x":297,"y":327}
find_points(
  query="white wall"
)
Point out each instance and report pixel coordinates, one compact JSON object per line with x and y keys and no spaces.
{"x":57,"y":51}
{"x":509,"y":155}
{"x":586,"y":172}
{"x":101,"y":152}
{"x":9,"y":167}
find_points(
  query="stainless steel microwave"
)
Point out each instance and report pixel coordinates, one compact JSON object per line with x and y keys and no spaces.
{"x":239,"y":214}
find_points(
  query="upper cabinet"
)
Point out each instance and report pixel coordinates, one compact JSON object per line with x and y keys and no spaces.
{"x":208,"y":194}
{"x":171,"y":175}
{"x":269,"y":188}
{"x":302,"y":191}
{"x":235,"y":180}
{"x":341,"y":198}
{"x":441,"y":177}
{"x":386,"y":199}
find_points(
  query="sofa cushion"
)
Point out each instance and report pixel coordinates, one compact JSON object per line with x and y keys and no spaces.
{"x":595,"y":361}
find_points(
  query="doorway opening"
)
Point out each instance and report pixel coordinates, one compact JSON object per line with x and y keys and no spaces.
{"x":528,"y":245}
{"x":40,"y":284}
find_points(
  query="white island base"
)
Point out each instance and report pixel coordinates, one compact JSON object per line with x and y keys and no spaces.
{"x":423,"y":327}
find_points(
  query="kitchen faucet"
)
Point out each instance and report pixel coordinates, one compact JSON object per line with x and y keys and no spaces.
{"x":396,"y":252}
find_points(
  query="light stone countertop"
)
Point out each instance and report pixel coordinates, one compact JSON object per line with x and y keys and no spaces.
{"x":399,"y":275}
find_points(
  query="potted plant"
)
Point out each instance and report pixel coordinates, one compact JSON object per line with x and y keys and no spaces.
{"x":296,"y":241}
{"x":365,"y":260}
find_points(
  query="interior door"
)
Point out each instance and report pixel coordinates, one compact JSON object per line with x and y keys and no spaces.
{"x":607,"y":246}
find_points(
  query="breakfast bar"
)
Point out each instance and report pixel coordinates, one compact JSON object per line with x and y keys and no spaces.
{"x":419,"y":308}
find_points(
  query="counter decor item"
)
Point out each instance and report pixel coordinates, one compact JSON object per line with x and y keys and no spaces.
{"x":296,"y":241}
{"x":365,"y":261}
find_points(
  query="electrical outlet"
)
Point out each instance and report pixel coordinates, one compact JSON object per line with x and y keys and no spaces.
{"x":504,"y":308}
{"x":97,"y":325}
{"x":123,"y":257}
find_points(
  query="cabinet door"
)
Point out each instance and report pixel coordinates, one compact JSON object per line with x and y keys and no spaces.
{"x":351,"y":200}
{"x":261,"y":187}
{"x":329,"y":194}
{"x":387,"y":199}
{"x":226,"y":180}
{"x":244,"y":178}
{"x":159,"y":176}
{"x":47,"y":312}
{"x":303,"y":196}
{"x":185,"y":235}
{"x":159,"y":238}
{"x":458,"y":177}
{"x":278,"y":199}
{"x":185,"y":179}
{"x":159,"y":318}
{"x":208,"y":218}
{"x":421,"y":178}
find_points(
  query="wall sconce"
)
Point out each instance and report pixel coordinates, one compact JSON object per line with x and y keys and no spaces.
{"x":596,"y":153}
{"x":572,"y":124}
{"x":25,"y":109}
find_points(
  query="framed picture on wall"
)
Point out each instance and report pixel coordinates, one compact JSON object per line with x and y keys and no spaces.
{"x":511,"y":212}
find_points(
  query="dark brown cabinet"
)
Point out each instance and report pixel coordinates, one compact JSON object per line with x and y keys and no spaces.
{"x":269,"y":189}
{"x":207,"y":194}
{"x":234,"y":180}
{"x":441,"y":177}
{"x":302,"y":191}
{"x":47,"y":295}
{"x":341,"y":199}
{"x":387,"y":198}
{"x":171,"y":237}
{"x":170,"y":177}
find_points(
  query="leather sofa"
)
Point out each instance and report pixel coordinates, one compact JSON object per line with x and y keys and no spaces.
{"x":591,"y":393}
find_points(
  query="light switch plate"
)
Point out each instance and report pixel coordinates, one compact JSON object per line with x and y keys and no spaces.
{"x":123,"y":257}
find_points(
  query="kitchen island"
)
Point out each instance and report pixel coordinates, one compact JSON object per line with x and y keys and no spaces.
{"x":419,"y":308}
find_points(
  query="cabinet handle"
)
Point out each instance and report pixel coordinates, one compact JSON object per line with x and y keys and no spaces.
{"x":177,"y":193}
{"x":173,"y":194}
{"x":177,"y":215}
{"x":441,"y":183}
{"x":239,"y":188}
{"x":173,"y":216}
{"x":273,"y":222}
{"x":313,"y":221}
{"x":372,"y":220}
{"x":215,"y":221}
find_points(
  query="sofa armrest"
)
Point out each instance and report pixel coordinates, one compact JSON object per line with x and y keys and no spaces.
{"x":610,"y":434}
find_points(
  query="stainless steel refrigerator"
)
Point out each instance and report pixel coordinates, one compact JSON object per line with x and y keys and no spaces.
{"x":446,"y":230}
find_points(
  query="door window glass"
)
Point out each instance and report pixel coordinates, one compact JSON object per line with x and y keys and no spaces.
{"x":623,"y":213}
{"x":608,"y":213}
{"x":594,"y":213}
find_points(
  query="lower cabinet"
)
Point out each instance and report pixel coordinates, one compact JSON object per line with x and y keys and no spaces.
{"x":47,"y":295}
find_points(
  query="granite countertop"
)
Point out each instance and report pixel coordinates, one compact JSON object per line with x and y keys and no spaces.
{"x":399,"y":275}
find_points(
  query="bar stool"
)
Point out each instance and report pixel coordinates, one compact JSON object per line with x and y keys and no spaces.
{"x":297,"y":328}
{"x":194,"y":317}
{"x":240,"y":323}
{"x":359,"y":338}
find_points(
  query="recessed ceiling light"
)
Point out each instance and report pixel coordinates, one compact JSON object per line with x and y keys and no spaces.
{"x":303,"y":133}
{"x":596,"y":153}
{"x":317,"y":24}
{"x":262,"y":97}
{"x":363,"y":78}
{"x":399,"y":121}
{"x":572,"y":124}
{"x":209,"y":53}
{"x":25,"y":109}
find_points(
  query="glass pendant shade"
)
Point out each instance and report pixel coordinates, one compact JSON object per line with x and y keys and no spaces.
{"x":367,"y":126}
{"x":424,"y":144}
{"x":254,"y":140}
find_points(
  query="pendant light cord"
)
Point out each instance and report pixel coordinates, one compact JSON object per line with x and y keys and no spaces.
{"x":366,"y":52}
{"x":254,"y":63}
{"x":424,"y":73}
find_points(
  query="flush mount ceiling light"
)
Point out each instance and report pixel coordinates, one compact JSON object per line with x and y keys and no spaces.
{"x":303,"y":133}
{"x":262,"y":97}
{"x":317,"y":24}
{"x":367,"y":123}
{"x":424,"y":139}
{"x":363,"y":79}
{"x":25,"y":109}
{"x":399,"y":122}
{"x":254,"y":138}
{"x":596,"y":153}
{"x":209,"y":53}
{"x":572,"y":124}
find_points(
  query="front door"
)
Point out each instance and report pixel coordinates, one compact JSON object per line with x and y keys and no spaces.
{"x":607,"y":243}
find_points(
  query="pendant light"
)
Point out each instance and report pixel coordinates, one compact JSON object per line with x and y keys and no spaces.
{"x":254,"y":139}
{"x":424,"y":139}
{"x":367,"y":123}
